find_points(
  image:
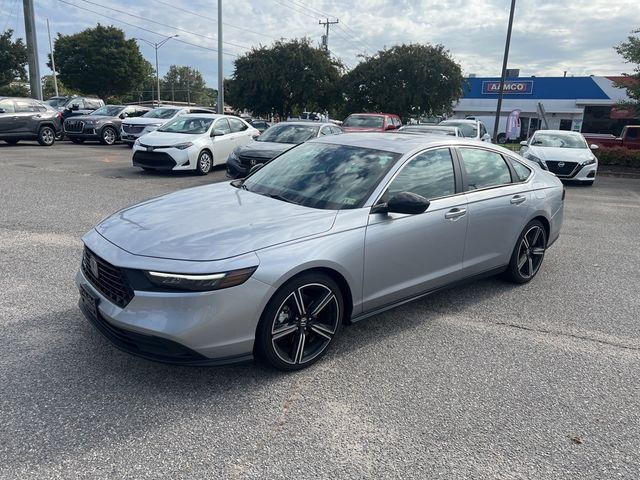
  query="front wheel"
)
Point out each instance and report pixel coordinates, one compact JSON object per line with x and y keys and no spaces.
{"x":204,"y":163}
{"x":528,"y":253}
{"x":108,"y":136}
{"x":46,"y":136}
{"x":300,"y":322}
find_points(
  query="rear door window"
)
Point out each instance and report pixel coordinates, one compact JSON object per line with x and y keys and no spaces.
{"x":222,"y":124}
{"x":236,"y":125}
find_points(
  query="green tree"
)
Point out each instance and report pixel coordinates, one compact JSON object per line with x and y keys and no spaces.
{"x":182,"y":84}
{"x":630,"y":51}
{"x":408,"y":80}
{"x":13,"y":61}
{"x":49,"y":90}
{"x":283,"y":78}
{"x":100,"y":61}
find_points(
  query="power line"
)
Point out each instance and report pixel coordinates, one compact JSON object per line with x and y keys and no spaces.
{"x":144,"y":29}
{"x":164,"y":24}
{"x":180,"y":9}
{"x":313,"y":10}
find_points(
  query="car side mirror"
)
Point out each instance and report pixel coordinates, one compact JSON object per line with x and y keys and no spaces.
{"x":217,"y":133}
{"x":2,"y":110}
{"x":524,"y":143}
{"x":403,"y":202}
{"x":486,"y":138}
{"x":390,"y":127}
{"x":124,"y":115}
{"x":594,"y":147}
{"x":75,"y":107}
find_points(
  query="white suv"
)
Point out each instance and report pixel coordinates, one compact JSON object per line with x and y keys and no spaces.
{"x":473,"y":129}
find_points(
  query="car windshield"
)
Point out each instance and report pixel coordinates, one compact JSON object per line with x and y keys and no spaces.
{"x":558,"y":140}
{"x":364,"y":121}
{"x":108,"y":110}
{"x":321,"y":175}
{"x":56,"y":102}
{"x":190,"y":125}
{"x":469,"y":130}
{"x":283,"y":133}
{"x":161,"y":113}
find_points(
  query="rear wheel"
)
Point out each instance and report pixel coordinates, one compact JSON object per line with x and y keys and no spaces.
{"x":12,"y":141}
{"x":204,"y":162}
{"x":528,"y":253}
{"x":46,"y":136}
{"x":300,"y":322}
{"x":108,"y":136}
{"x":76,"y":140}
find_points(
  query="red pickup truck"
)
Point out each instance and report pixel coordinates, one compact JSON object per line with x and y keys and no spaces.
{"x":629,"y":138}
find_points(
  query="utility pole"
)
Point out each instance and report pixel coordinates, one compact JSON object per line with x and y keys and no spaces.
{"x":504,"y":72}
{"x":157,"y":46}
{"x":325,"y":38}
{"x":32,"y":49}
{"x":220,"y":67}
{"x":53,"y":63}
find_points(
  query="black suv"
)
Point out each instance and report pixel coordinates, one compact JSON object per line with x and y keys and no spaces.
{"x":103,"y":124}
{"x":74,"y":105}
{"x":28,"y":119}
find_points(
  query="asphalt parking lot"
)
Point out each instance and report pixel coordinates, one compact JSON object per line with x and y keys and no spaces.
{"x":482,"y":381}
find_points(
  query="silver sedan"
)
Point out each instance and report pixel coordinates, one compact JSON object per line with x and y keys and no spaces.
{"x":330,"y":232}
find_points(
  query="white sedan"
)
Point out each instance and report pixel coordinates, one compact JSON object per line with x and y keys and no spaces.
{"x":564,"y":153}
{"x":192,"y":142}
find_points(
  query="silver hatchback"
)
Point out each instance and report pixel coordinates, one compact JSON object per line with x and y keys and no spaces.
{"x":334,"y":230}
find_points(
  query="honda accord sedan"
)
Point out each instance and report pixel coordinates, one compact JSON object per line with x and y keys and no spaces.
{"x":330,"y":232}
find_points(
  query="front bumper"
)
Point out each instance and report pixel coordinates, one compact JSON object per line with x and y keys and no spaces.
{"x":235,"y":169}
{"x":187,"y":328}
{"x":162,"y":159}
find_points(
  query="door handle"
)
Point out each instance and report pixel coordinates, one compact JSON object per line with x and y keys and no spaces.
{"x":518,"y":199}
{"x":455,"y":213}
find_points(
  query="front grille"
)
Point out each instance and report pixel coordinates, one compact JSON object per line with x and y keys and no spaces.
{"x":132,"y":128}
{"x":158,"y":160}
{"x":565,"y":170}
{"x":251,"y":161}
{"x":110,"y":280}
{"x":75,"y":126}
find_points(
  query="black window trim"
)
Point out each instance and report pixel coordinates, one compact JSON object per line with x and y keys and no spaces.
{"x":511,"y":160}
{"x":465,"y":185}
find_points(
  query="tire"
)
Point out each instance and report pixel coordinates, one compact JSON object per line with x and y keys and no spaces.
{"x":204,"y":163}
{"x":290,"y":337}
{"x":46,"y":136}
{"x":12,"y":141}
{"x":528,"y":253}
{"x":76,"y":140}
{"x":108,"y":136}
{"x":502,"y":138}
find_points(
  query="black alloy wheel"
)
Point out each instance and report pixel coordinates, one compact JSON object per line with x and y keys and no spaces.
{"x":46,"y":136}
{"x":528,"y":253}
{"x":300,"y":322}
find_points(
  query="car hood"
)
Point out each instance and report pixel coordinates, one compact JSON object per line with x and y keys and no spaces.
{"x":359,"y":129}
{"x":212,"y":222}
{"x":266,"y":150}
{"x":159,"y":139}
{"x":561,"y":154}
{"x":97,"y":118}
{"x":146,"y":121}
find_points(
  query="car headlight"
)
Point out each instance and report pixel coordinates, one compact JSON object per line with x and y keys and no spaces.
{"x":183,"y":146}
{"x":89,"y":122}
{"x":200,"y":283}
{"x":591,"y":161}
{"x":533,"y":158}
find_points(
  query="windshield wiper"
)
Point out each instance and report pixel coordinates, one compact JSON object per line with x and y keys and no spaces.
{"x":279,"y":197}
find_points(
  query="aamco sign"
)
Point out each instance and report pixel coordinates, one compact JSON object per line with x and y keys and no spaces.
{"x":522,"y":87}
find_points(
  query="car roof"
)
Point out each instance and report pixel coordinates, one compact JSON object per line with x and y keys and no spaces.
{"x":375,"y":114}
{"x":209,"y":115}
{"x":457,"y":120}
{"x":559,"y":131}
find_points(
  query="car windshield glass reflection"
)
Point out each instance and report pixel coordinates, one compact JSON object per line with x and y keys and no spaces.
{"x":108,"y":110}
{"x":468,"y":130}
{"x":188,"y":125}
{"x":284,"y":133}
{"x":558,"y":140}
{"x":364,"y":121}
{"x":320,"y":175}
{"x":160,"y":113}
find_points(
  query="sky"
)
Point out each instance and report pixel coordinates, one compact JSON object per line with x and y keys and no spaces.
{"x":549,"y":36}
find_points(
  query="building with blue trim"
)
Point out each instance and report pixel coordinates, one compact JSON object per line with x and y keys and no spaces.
{"x":584,"y":104}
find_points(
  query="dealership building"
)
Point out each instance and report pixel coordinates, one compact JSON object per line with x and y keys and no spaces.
{"x":582,"y":104}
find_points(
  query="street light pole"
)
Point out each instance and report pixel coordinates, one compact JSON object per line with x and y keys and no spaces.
{"x":157,"y":46}
{"x":504,"y":72}
{"x":220,"y":65}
